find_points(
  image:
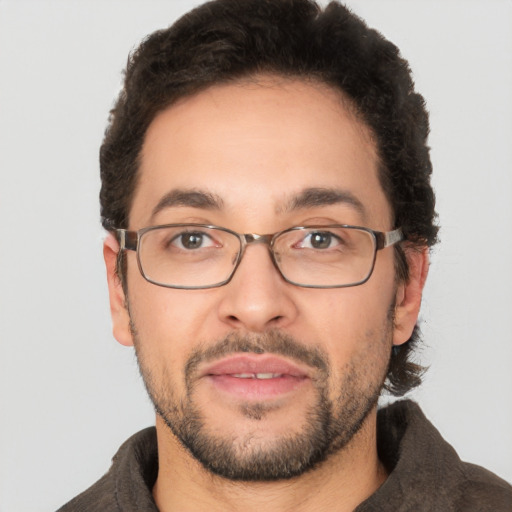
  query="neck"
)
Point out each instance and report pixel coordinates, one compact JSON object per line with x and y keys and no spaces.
{"x":339,"y":484}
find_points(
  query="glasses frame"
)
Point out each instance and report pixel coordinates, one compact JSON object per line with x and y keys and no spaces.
{"x":130,"y":240}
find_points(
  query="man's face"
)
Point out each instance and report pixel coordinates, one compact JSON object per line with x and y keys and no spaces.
{"x":261,"y":379}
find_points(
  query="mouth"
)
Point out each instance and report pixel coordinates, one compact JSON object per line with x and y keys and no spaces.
{"x":255,"y":377}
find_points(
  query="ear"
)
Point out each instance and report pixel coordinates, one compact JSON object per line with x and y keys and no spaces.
{"x":408,"y":296}
{"x":118,"y":310}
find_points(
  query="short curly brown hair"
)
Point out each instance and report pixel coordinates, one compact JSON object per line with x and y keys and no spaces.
{"x":225,"y":40}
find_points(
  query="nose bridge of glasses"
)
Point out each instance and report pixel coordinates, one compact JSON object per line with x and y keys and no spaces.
{"x":254,"y":238}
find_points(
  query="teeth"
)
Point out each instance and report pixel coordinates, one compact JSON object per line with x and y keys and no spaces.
{"x":256,"y":375}
{"x":267,"y":375}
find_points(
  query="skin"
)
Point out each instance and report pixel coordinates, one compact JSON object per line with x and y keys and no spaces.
{"x":256,"y":145}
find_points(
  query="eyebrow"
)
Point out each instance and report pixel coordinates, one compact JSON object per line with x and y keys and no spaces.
{"x":192,"y":198}
{"x":308,"y":198}
{"x":317,"y":197}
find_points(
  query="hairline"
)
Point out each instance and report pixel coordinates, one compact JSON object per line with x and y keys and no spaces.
{"x":271,"y":78}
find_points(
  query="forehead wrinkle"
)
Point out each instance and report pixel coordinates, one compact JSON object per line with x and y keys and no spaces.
{"x":193,"y":198}
{"x":315,"y":197}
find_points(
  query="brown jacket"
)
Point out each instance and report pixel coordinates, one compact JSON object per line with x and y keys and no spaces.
{"x":426,"y":475}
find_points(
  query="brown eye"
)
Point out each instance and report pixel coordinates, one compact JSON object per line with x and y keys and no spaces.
{"x":319,"y":240}
{"x":192,"y":240}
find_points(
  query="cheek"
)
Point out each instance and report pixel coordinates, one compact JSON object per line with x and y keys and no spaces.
{"x":358,"y":340}
{"x":169,"y":321}
{"x":348,"y":321}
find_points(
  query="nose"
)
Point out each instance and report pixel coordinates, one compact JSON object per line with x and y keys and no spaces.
{"x":257,"y":298}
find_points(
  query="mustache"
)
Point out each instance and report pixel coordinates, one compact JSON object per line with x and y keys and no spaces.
{"x":272,"y":342}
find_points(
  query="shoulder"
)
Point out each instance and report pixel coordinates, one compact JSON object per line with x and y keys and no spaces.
{"x":98,"y":497}
{"x":128,"y":483}
{"x":425,"y":472}
{"x":480,"y":490}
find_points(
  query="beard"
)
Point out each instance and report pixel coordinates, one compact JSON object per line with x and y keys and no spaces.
{"x":330,"y":422}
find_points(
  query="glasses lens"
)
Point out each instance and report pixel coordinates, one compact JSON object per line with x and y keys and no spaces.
{"x":325,"y":256}
{"x":188,"y":256}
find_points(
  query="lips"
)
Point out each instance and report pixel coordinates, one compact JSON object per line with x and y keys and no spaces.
{"x":255,"y":376}
{"x":251,"y":365}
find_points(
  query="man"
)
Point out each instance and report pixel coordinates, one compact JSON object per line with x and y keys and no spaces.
{"x":266,"y":189}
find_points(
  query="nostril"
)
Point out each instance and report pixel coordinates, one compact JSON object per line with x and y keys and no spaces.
{"x":276,"y":319}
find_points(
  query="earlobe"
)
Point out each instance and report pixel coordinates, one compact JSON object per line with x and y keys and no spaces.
{"x":118,"y":311}
{"x":408,"y":297}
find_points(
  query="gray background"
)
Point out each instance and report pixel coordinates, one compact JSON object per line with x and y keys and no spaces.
{"x":69,"y":394}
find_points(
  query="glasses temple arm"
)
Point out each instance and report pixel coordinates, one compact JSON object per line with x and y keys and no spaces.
{"x":390,"y":238}
{"x":128,"y":240}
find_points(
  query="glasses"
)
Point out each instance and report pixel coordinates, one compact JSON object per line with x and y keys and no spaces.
{"x":198,"y":256}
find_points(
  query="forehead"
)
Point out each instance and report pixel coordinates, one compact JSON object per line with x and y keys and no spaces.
{"x":256,"y":144}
